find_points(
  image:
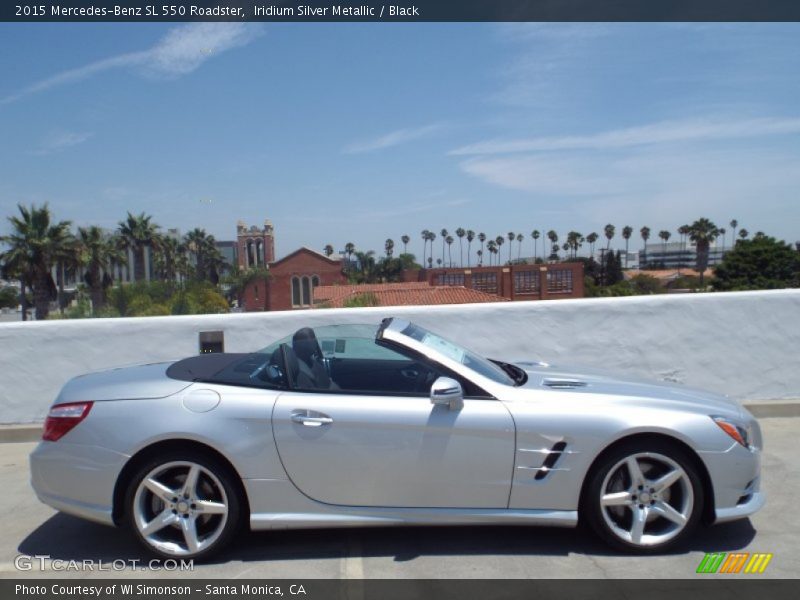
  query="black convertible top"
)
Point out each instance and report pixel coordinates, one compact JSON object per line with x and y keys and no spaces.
{"x":203,"y":367}
{"x":229,"y":368}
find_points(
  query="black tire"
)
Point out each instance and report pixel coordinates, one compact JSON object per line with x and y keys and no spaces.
{"x":601,"y":518}
{"x":215,"y":469}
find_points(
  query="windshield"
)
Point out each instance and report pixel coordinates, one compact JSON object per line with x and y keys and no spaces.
{"x":477,"y":363}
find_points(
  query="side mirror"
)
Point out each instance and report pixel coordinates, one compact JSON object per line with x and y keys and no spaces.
{"x":447,"y":391}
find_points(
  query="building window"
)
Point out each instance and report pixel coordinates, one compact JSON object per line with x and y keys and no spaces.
{"x":452,"y":279}
{"x":526,"y":282}
{"x":296,"y":300}
{"x":559,"y":282}
{"x":255,"y":287}
{"x":485,"y":282}
{"x":306,"y":291}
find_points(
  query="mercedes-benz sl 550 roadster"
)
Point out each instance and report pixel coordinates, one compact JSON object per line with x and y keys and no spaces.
{"x":390,"y":424}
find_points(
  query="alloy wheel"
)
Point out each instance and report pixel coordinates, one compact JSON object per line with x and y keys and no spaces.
{"x":180,"y":508}
{"x":646,"y":499}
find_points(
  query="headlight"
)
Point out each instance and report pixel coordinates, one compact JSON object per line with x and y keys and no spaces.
{"x":737,"y":431}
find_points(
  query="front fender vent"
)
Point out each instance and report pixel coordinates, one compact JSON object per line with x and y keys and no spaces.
{"x":550,"y":460}
{"x":564,"y":384}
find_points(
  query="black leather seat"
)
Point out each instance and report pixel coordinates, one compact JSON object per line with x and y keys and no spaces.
{"x":308,"y":354}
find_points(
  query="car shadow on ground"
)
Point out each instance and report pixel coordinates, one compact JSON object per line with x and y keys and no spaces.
{"x":69,"y":538}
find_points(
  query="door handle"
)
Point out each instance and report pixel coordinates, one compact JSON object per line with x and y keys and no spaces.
{"x":309,"y":421}
{"x":409,"y":373}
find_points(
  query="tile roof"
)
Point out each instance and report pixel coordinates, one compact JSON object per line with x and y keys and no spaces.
{"x":402,"y":294}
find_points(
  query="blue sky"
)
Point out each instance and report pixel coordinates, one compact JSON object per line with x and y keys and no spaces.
{"x":359,"y":132}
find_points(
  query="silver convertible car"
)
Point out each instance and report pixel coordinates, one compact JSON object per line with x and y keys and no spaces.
{"x":390,"y":424}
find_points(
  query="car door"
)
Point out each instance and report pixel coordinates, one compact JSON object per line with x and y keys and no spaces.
{"x":393,"y":448}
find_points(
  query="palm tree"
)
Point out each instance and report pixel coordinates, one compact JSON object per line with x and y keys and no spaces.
{"x":554,"y":253}
{"x":461,"y":232}
{"x":683,"y":230}
{"x":511,"y":237}
{"x":492,"y":247}
{"x":703,"y":233}
{"x":349,"y":248}
{"x":137,"y":233}
{"x":645,"y":233}
{"x":328,"y":250}
{"x":166,"y":260}
{"x":499,"y":241}
{"x":592,"y":239}
{"x":743,"y":233}
{"x":36,"y":244}
{"x":553,"y":237}
{"x":405,"y":239}
{"x":431,"y":239}
{"x":520,"y":237}
{"x":98,"y":254}
{"x":627,"y":231}
{"x":449,"y":239}
{"x":482,"y":240}
{"x":480,"y":257}
{"x":535,"y":235}
{"x":609,"y":231}
{"x":734,"y":224}
{"x":388,"y":246}
{"x":470,"y":238}
{"x":425,"y":240}
{"x":722,"y":232}
{"x":574,"y":241}
{"x":664,"y":235}
{"x":444,"y":234}
{"x":203,"y":247}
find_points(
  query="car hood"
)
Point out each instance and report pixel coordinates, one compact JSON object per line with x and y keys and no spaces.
{"x":123,"y":383}
{"x":594,"y":381}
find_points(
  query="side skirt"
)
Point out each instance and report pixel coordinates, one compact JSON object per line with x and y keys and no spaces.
{"x":384,"y":517}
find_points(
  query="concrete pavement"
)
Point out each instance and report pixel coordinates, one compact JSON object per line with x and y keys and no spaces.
{"x":30,"y":528}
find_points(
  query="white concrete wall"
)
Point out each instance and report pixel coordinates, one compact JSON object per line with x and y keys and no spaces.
{"x":744,"y":344}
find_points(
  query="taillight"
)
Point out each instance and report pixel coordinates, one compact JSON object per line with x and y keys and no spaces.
{"x":62,"y":418}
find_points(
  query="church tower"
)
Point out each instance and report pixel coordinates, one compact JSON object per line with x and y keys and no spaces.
{"x":256,"y":246}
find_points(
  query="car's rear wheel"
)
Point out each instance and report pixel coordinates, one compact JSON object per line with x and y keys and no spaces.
{"x":644,"y":496}
{"x":183,"y":505}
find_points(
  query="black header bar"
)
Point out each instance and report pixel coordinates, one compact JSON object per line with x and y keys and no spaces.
{"x":410,"y":11}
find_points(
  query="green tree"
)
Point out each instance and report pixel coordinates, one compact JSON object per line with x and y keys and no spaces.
{"x":388,"y":247}
{"x":703,"y":233}
{"x":328,"y":250}
{"x":35,"y":246}
{"x":405,"y":239}
{"x":138,"y":232}
{"x":444,"y":233}
{"x":535,"y":234}
{"x":449,"y":239}
{"x":499,"y":241}
{"x":460,"y":233}
{"x":759,"y":264}
{"x":645,"y":233}
{"x":98,"y":253}
{"x":470,"y":239}
{"x":627,"y":232}
{"x":592,"y":240}
{"x":482,"y":240}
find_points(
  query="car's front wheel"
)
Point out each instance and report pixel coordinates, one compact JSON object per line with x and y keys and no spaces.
{"x":644,"y":496}
{"x":183,"y":505}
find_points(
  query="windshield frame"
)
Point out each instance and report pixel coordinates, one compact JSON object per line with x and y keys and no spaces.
{"x":414,"y":337}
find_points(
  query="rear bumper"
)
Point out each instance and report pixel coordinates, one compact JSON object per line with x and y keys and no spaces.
{"x":76,"y":479}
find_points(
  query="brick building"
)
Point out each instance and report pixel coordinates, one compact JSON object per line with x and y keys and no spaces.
{"x":292,"y":281}
{"x":513,"y":282}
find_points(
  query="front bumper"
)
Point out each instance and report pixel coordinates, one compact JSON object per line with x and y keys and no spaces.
{"x":736,"y":479}
{"x":76,"y":479}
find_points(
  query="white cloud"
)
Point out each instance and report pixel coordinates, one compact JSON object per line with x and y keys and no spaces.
{"x":182,"y":50}
{"x":394,"y":138}
{"x":61,"y":140}
{"x":655,"y":133}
